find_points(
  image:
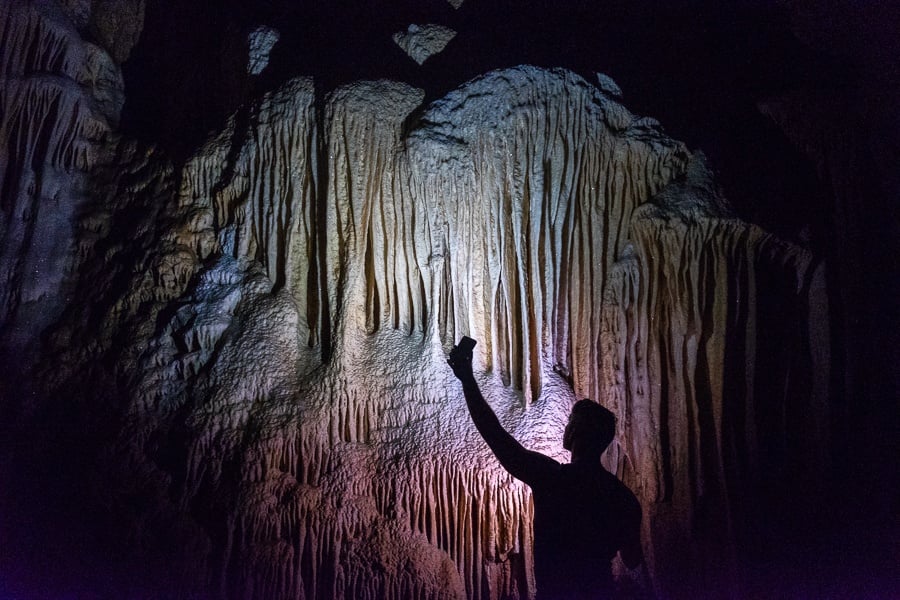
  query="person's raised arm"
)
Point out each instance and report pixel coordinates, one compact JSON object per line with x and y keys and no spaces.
{"x":521,"y":463}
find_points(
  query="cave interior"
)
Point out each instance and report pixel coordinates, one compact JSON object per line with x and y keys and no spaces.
{"x":237,"y":240}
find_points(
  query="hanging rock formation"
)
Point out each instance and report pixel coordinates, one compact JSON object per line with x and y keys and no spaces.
{"x":60,"y":99}
{"x":421,"y":42}
{"x":261,"y":41}
{"x":710,"y":380}
{"x":261,"y":334}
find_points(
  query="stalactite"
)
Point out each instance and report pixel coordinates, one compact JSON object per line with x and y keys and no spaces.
{"x":59,"y":97}
{"x":543,"y":188}
{"x":252,"y":187}
{"x":375,"y":277}
{"x":528,"y":209}
{"x":518,"y":210}
{"x":680,"y":345}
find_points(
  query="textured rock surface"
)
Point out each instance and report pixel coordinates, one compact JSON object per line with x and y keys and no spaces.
{"x":421,"y":42}
{"x":60,"y":97}
{"x":692,"y":361}
{"x":261,"y":41}
{"x":606,"y":84}
{"x":117,"y":24}
{"x":256,"y":356}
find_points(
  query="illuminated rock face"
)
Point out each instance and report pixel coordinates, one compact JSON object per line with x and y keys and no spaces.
{"x":278,"y":323}
{"x":421,"y":42}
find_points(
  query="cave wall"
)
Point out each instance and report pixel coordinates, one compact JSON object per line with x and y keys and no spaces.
{"x":60,"y":96}
{"x":251,"y":346}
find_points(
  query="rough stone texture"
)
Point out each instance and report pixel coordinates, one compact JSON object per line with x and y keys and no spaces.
{"x":608,"y":85}
{"x":687,"y":340}
{"x":532,"y":177}
{"x":261,"y":42}
{"x":60,"y":97}
{"x":116,"y":25}
{"x":421,"y":42}
{"x":257,"y":356}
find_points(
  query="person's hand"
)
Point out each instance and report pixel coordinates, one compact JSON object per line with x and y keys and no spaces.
{"x":460,"y":360}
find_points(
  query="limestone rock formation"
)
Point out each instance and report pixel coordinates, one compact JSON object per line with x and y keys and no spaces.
{"x":421,"y":42}
{"x":117,"y":24}
{"x":261,"y":40}
{"x":258,"y":344}
{"x":60,"y":97}
{"x":689,"y":363}
{"x":608,"y":85}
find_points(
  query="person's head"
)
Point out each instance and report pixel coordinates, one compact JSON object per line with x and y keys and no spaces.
{"x":591,"y":427}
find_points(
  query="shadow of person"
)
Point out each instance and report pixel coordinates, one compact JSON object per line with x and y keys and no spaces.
{"x":583,"y":515}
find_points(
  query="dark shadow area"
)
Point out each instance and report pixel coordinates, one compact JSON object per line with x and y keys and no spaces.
{"x":697,"y":68}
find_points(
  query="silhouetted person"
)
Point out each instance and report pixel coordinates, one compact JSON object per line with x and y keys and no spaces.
{"x":583,"y":515}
